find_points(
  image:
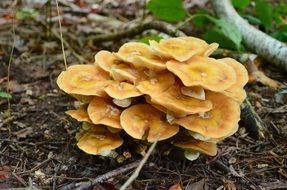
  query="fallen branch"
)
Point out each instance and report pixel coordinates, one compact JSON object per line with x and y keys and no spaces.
{"x":101,"y":178}
{"x":156,"y":25}
{"x":137,"y":171}
{"x":265,"y":46}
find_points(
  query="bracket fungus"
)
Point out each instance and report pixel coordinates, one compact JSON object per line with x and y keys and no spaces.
{"x":157,"y":92}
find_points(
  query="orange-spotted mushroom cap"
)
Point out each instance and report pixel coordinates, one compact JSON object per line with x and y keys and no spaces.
{"x":207,"y":148}
{"x":175,"y":48}
{"x":221,"y":121}
{"x":236,"y":90}
{"x":122,"y":90}
{"x":141,"y":55}
{"x":105,"y":60}
{"x":83,"y":80}
{"x":143,"y":120}
{"x":98,"y":141}
{"x":79,"y":114}
{"x":101,"y":111}
{"x":125,"y":72}
{"x":203,"y":71}
{"x":157,"y":84}
{"x":175,"y":101}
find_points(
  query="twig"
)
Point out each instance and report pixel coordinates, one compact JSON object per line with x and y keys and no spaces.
{"x":265,"y":46}
{"x":101,"y":178}
{"x":61,"y":35}
{"x":137,"y":171}
{"x":156,"y":25}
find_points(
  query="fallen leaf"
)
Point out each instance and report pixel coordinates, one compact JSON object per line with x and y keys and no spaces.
{"x":175,"y":187}
{"x":5,"y":172}
{"x":199,"y":185}
{"x":259,"y":76}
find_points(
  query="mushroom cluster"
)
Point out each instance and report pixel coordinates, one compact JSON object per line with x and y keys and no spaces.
{"x":169,"y":89}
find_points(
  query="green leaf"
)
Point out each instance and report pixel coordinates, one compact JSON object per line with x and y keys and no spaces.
{"x":224,"y":33}
{"x":168,"y":10}
{"x":26,"y":13}
{"x":146,"y":39}
{"x":264,"y":12}
{"x":200,"y":19}
{"x":240,"y":4}
{"x":281,"y":34}
{"x":5,"y":95}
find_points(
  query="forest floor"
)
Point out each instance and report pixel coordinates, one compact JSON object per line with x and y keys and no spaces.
{"x":37,"y":144}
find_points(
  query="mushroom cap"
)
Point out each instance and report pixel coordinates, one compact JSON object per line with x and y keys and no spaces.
{"x":236,"y":90}
{"x":105,"y":60}
{"x":205,"y":48}
{"x":82,"y":98}
{"x":101,"y":111}
{"x":222,"y":119}
{"x":122,"y":90}
{"x":157,"y":84}
{"x":175,"y":48}
{"x":80,"y":114}
{"x":142,"y":120}
{"x":204,"y":71}
{"x":84,"y":80}
{"x":207,"y":148}
{"x":98,"y":141}
{"x":175,"y":101}
{"x":141,"y":55}
{"x":125,"y":72}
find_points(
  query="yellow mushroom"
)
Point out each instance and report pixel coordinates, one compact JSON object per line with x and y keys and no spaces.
{"x":97,"y":140}
{"x":219,"y":122}
{"x":203,"y":71}
{"x":141,"y":55}
{"x":236,"y":90}
{"x":175,"y":101}
{"x":144,"y":121}
{"x":101,"y":111}
{"x":87,"y":80}
{"x":105,"y":60}
{"x":80,"y":114}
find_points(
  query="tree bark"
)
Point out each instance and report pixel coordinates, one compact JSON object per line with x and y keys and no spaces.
{"x":265,"y":46}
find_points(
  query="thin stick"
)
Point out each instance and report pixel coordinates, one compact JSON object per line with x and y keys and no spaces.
{"x":61,"y":36}
{"x":156,"y":25}
{"x":137,"y":171}
{"x":101,"y":178}
{"x":9,"y":66}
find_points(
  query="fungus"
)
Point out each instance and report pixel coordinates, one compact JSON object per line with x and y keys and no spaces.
{"x":236,"y":90}
{"x":157,"y":84}
{"x":141,"y":55}
{"x":194,"y":92}
{"x":122,"y":90}
{"x":105,"y":60}
{"x":98,"y":141}
{"x":143,"y":120}
{"x":101,"y":111}
{"x":174,"y":100}
{"x":79,"y":114}
{"x":84,"y":80}
{"x":203,"y":71}
{"x":207,"y":148}
{"x":224,"y":116}
{"x":124,"y":72}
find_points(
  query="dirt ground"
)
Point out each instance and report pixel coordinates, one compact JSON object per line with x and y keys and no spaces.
{"x":37,"y":145}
